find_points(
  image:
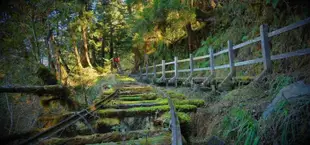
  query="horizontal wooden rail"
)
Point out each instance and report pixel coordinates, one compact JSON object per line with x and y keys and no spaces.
{"x":267,"y":58}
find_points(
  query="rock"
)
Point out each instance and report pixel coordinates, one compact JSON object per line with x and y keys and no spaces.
{"x":291,"y":91}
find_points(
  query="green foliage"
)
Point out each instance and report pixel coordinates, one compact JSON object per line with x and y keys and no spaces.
{"x":280,"y":82}
{"x":240,"y":127}
{"x":273,"y":2}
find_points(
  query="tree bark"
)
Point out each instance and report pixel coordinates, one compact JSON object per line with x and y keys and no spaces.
{"x":57,"y":61}
{"x":190,"y":37}
{"x":137,"y":59}
{"x":77,"y":55}
{"x":51,"y":60}
{"x":102,"y":50}
{"x":86,"y":46}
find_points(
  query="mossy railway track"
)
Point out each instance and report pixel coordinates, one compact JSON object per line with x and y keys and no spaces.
{"x":134,"y":114}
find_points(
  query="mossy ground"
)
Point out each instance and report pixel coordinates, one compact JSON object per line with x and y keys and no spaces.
{"x":144,"y":110}
{"x":161,"y":139}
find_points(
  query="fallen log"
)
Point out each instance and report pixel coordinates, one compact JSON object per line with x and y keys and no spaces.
{"x":56,"y":90}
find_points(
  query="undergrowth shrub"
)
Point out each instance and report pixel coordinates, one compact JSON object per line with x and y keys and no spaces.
{"x":239,"y":127}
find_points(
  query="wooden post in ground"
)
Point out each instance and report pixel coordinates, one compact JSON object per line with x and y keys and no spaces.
{"x":265,"y":48}
{"x":154,"y":70}
{"x":176,"y":71}
{"x":209,"y":79}
{"x":163,"y":65}
{"x":231,"y":59}
{"x":140,"y":72}
{"x":146,"y":70}
{"x":212,"y":69}
{"x":212,"y":61}
{"x":146,"y":66}
{"x":227,"y":82}
{"x":191,"y":68}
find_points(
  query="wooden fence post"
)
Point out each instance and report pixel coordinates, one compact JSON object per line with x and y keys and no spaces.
{"x":154,"y":70}
{"x":191,"y":68}
{"x":191,"y":64}
{"x":176,"y":71}
{"x":163,"y":65}
{"x":212,"y":62}
{"x":231,"y":58}
{"x":146,"y":70}
{"x":265,"y":48}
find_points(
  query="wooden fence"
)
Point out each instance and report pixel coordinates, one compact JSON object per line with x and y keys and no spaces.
{"x":266,"y":59}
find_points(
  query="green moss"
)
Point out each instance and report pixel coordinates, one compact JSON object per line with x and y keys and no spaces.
{"x":137,"y":89}
{"x":173,"y":94}
{"x":109,"y":91}
{"x":162,"y":138}
{"x":183,"y":117}
{"x":148,"y":96}
{"x":144,"y":110}
{"x":196,"y":102}
{"x":135,"y":98}
{"x":108,"y":121}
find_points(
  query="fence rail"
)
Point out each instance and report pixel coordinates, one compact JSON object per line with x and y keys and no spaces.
{"x":266,"y":59}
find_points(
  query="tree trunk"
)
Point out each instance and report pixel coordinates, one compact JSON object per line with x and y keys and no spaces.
{"x":57,"y":61}
{"x":111,"y":47}
{"x":102,"y":50}
{"x":36,"y":43}
{"x":85,"y":46}
{"x":137,"y":59}
{"x":77,"y":55}
{"x":189,"y":37}
{"x":51,"y":60}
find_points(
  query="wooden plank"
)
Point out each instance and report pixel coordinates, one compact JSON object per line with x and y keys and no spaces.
{"x":265,"y":48}
{"x":221,"y":52}
{"x":201,"y":69}
{"x":168,"y":63}
{"x":169,"y":71}
{"x":201,"y":57}
{"x":291,"y":54}
{"x":183,"y":60}
{"x":246,"y":43}
{"x":289,"y":27}
{"x":184,"y":70}
{"x":253,"y":61}
{"x":222,"y":66}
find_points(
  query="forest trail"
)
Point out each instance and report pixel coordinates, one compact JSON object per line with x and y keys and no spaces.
{"x":137,"y":114}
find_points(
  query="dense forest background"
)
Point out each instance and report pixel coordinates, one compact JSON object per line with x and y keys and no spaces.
{"x":72,"y":43}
